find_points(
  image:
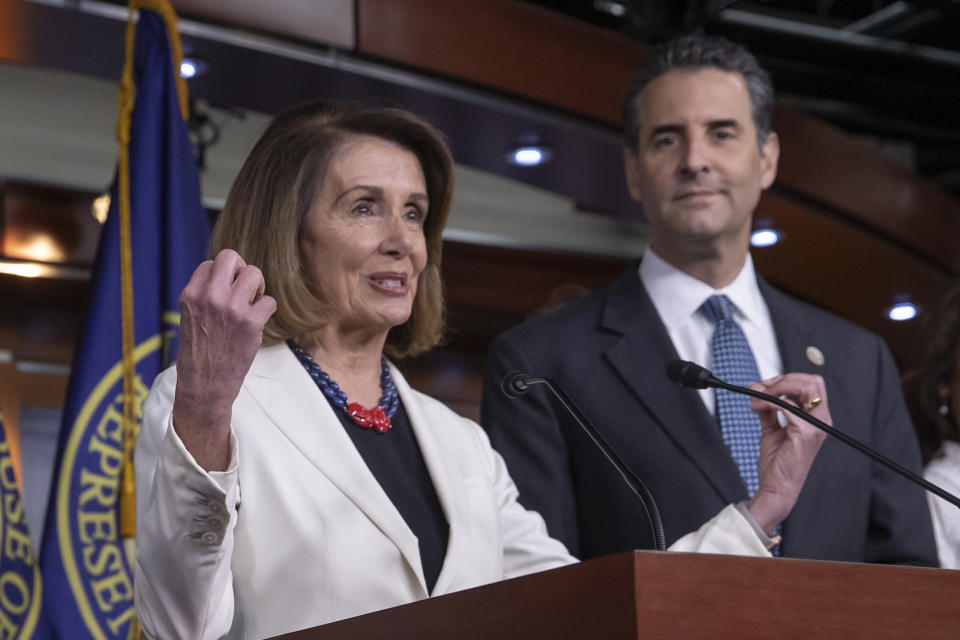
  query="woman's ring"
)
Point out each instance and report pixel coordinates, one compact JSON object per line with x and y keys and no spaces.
{"x":812,"y":403}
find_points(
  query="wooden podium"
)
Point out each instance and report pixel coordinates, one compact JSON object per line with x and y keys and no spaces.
{"x":647,"y":594}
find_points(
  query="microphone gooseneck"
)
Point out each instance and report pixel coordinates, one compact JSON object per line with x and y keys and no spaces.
{"x":692,"y":375}
{"x":516,"y":383}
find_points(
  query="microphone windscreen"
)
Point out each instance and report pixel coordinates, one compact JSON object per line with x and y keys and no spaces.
{"x":514,"y":384}
{"x":688,"y":374}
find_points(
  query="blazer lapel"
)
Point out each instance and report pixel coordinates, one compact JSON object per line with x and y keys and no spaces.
{"x":794,"y":335}
{"x":289,"y":397}
{"x":640,"y":358}
{"x":447,"y":481}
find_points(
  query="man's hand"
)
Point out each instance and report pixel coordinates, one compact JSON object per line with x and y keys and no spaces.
{"x":223,"y":311}
{"x":786,"y":453}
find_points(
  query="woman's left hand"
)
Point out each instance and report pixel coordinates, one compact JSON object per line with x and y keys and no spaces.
{"x":787,"y":452}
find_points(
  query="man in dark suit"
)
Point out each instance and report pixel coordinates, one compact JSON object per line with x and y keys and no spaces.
{"x":699,"y":152}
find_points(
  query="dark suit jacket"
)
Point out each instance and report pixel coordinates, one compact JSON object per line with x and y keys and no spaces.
{"x":609,"y":352}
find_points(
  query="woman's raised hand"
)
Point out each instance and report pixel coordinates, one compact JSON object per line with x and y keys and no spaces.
{"x":223,"y":311}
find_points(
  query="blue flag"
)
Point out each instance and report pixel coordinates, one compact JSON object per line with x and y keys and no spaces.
{"x":85,"y":562}
{"x":19,"y":575}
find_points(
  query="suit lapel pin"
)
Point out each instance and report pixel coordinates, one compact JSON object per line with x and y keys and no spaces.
{"x":815,"y":356}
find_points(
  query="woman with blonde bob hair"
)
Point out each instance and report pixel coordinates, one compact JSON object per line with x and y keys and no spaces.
{"x":287,"y":474}
{"x":269,"y":201}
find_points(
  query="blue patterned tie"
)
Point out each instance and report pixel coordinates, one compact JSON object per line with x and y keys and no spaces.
{"x":733,"y":362}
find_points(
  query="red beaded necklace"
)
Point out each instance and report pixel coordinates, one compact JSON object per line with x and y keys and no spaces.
{"x":378,"y":417}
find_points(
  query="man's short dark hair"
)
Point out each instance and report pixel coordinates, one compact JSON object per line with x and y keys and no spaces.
{"x":700,"y":52}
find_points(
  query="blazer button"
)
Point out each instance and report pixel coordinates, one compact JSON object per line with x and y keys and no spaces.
{"x":210,"y":538}
{"x":214,"y":522}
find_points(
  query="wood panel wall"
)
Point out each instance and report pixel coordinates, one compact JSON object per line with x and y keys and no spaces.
{"x":507,"y":46}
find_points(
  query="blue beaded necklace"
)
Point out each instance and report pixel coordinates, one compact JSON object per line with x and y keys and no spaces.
{"x":377,"y":418}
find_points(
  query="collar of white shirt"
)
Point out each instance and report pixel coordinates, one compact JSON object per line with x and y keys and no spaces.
{"x":677,"y":296}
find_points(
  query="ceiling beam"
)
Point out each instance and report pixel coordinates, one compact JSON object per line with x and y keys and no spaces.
{"x":864,"y":42}
{"x":880,"y":18}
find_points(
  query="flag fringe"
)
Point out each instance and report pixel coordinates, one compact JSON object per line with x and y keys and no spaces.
{"x":125,"y":102}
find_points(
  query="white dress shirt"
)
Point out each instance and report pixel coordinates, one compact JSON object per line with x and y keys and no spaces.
{"x":677,"y":298}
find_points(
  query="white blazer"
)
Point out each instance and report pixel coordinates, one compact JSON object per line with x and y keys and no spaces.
{"x":298,"y":532}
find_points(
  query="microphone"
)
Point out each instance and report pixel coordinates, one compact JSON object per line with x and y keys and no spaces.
{"x":693,"y":376}
{"x":517,"y":383}
{"x":690,"y":375}
{"x":514,"y":384}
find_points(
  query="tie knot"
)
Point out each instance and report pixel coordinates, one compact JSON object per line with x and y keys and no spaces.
{"x":717,"y":308}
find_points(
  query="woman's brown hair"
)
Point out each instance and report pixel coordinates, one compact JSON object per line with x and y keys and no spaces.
{"x":930,"y":408}
{"x":269,"y":201}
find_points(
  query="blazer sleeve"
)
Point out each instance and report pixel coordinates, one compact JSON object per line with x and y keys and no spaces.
{"x":727,"y":533}
{"x":533,"y":433}
{"x":900,"y":527}
{"x":528,"y":434}
{"x":183,"y":585}
{"x":527,"y":547}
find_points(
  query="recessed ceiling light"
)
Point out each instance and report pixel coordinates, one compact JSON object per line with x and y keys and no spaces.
{"x":22,"y":269}
{"x":530,"y":155}
{"x":190,"y":67}
{"x":765,"y":237}
{"x":101,"y":207}
{"x":616,"y":9}
{"x":902,"y":311}
{"x":42,"y":270}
